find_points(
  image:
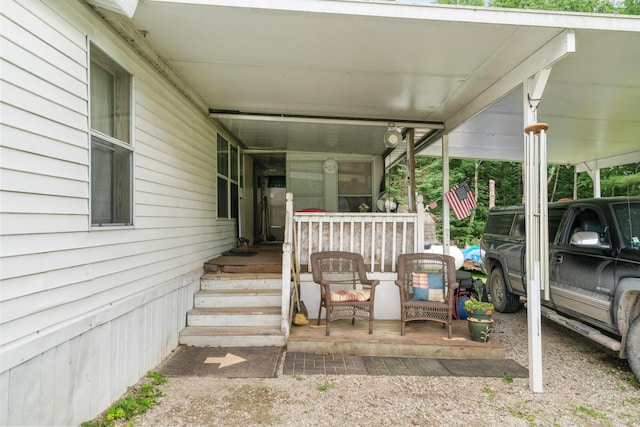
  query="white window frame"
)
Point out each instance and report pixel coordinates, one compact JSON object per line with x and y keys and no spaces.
{"x":121,"y":142}
{"x":238,"y":181}
{"x":365,"y":197}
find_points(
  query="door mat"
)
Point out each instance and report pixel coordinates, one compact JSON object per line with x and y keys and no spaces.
{"x":408,"y":366}
{"x":247,"y":253}
{"x":298,"y":363}
{"x":485,"y":368}
{"x":223,"y":362}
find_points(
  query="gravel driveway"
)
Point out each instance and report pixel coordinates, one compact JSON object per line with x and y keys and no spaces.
{"x":584,"y":385}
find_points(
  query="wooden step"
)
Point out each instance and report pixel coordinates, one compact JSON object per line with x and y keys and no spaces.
{"x":215,"y":281}
{"x":238,"y":336}
{"x":238,"y":298}
{"x":234,"y":316}
{"x":215,"y":267}
{"x":236,"y":309}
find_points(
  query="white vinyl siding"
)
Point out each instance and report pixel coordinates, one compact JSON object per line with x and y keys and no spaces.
{"x":84,"y":313}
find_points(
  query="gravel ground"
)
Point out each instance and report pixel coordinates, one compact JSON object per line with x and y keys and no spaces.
{"x":584,"y":385}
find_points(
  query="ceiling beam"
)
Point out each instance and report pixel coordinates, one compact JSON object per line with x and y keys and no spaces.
{"x":292,"y":118}
{"x":608,"y":162}
{"x":556,"y":49}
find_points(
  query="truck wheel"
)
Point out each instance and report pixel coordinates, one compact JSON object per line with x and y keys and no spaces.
{"x":633,"y":347}
{"x":503,"y":300}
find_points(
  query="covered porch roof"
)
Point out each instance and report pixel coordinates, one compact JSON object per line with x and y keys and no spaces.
{"x":318,"y":75}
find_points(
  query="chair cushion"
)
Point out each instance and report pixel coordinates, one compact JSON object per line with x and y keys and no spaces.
{"x":351,"y":295}
{"x":428,"y":287}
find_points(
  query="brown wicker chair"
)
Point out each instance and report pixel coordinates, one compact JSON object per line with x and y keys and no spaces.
{"x":345,"y":291}
{"x":440,"y":270}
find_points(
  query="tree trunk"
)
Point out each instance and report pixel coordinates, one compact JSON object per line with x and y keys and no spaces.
{"x":475,"y":189}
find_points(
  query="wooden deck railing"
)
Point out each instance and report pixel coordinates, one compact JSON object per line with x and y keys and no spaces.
{"x":379,"y":237}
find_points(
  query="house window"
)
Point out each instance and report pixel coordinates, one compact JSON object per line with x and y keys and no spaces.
{"x":306,"y":180}
{"x":230,"y":177}
{"x":111,"y":151}
{"x":354,"y":186}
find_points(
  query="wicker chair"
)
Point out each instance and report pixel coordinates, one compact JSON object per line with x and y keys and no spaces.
{"x":345,"y":291}
{"x":437,"y":269}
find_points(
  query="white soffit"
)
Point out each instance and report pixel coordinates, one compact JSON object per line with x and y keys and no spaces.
{"x":404,"y":62}
{"x":124,"y":7}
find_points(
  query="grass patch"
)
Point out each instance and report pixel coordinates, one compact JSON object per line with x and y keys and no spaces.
{"x":633,"y":381}
{"x":137,"y":401}
{"x":522,"y":415}
{"x":590,"y":412}
{"x":507,"y":378}
{"x":491,"y":394}
{"x":325,"y":385}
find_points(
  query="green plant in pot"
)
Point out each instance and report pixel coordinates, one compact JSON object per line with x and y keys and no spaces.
{"x":478,"y":309}
{"x":479,"y":320}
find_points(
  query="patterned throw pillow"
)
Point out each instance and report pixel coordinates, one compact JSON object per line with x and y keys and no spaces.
{"x":428,"y":287}
{"x":351,"y":295}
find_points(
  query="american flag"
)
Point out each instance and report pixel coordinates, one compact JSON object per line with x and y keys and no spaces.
{"x":461,"y":200}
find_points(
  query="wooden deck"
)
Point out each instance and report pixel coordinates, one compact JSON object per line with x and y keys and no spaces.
{"x":267,"y":258}
{"x":422,"y":339}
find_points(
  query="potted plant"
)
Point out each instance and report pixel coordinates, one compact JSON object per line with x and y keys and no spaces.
{"x":478,"y":309}
{"x":479,"y":319}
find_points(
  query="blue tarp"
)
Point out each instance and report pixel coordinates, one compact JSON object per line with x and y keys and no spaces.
{"x":472,"y":253}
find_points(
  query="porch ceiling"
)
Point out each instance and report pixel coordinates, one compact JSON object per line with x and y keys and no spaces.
{"x":402,"y":62}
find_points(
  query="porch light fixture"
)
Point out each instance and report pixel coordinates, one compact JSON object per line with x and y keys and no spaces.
{"x":392,"y":137}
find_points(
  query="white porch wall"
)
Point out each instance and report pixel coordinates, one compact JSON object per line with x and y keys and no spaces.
{"x":84,"y":313}
{"x":386,"y":304}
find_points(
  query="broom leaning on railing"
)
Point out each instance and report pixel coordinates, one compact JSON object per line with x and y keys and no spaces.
{"x":301,"y":316}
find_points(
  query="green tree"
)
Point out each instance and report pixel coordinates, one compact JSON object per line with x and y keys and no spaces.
{"x":462,"y":2}
{"x":630,"y":7}
{"x":590,"y":6}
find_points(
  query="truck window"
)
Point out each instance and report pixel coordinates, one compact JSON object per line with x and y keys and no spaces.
{"x":499,"y":224}
{"x":554,"y":218}
{"x":519,"y":231}
{"x":628,"y":218}
{"x":587,"y":220}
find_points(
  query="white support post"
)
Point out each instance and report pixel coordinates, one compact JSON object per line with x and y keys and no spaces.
{"x":419,"y":223}
{"x":596,"y":183}
{"x":411,"y":163}
{"x":536,"y":214}
{"x":446,"y":223}
{"x":537,"y":243}
{"x":287,"y":261}
{"x":595,"y":177}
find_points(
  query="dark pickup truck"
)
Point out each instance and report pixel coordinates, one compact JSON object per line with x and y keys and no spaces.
{"x":594,"y":268}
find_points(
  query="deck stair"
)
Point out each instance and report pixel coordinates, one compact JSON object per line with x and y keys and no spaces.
{"x":236,"y":310}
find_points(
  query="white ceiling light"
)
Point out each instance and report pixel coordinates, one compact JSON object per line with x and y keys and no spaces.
{"x":392,"y":137}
